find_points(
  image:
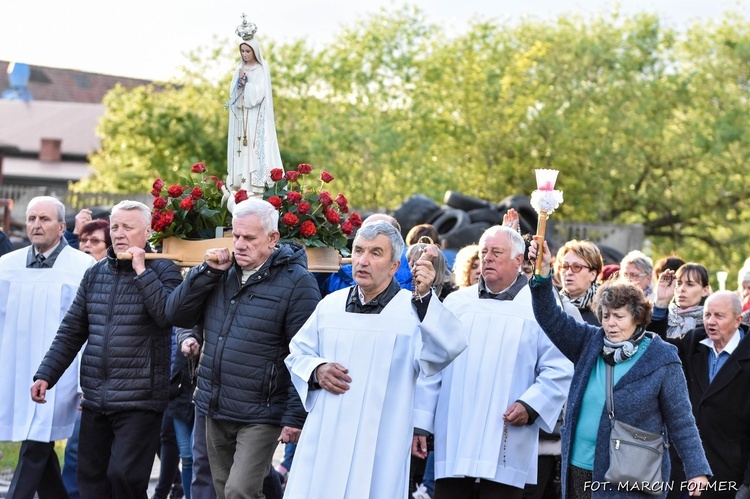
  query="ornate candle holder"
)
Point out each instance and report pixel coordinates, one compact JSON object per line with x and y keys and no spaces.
{"x":545,"y":199}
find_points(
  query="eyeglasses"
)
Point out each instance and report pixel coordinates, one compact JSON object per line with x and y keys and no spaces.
{"x":575,"y":267}
{"x":635,"y":276}
{"x":93,"y":240}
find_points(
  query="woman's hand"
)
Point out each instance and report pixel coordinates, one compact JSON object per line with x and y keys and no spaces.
{"x":510,"y":219}
{"x":697,"y":485}
{"x":546,"y":256}
{"x":665,"y":289}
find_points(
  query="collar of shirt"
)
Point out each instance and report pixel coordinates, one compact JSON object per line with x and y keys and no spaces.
{"x":508,"y":293}
{"x":355,"y":303}
{"x":50,"y":255}
{"x":729,"y":347}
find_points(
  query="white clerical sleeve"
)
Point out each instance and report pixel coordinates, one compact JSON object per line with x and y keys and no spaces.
{"x":550,"y":390}
{"x":442,"y":338}
{"x":425,"y":401}
{"x":303,"y":359}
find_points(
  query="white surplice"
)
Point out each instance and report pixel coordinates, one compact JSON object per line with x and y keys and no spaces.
{"x":509,"y":358}
{"x":358,"y":444}
{"x":33,"y":302}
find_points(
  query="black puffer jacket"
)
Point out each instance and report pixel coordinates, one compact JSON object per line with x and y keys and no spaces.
{"x":125,"y":365}
{"x":246,"y":334}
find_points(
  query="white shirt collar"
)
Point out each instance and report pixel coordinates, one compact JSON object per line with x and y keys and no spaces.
{"x":48,"y":252}
{"x":728,"y":348}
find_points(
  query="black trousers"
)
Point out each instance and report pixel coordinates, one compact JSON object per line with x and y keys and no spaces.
{"x":116,"y":453}
{"x":465,"y":488}
{"x":38,"y":471}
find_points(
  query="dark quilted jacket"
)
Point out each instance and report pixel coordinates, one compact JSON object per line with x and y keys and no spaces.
{"x":125,"y":365}
{"x":246,"y":334}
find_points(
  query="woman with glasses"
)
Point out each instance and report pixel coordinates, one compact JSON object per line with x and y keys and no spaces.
{"x":94,"y":239}
{"x":578,"y":264}
{"x":638,"y":269}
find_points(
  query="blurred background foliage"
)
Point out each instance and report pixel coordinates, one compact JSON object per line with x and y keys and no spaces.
{"x":645,"y":123}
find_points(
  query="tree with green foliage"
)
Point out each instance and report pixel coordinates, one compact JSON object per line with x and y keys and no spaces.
{"x":645,"y":123}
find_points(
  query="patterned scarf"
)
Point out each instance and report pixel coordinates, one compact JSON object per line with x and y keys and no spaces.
{"x":614,"y":353}
{"x":682,"y":320}
{"x":583,"y":302}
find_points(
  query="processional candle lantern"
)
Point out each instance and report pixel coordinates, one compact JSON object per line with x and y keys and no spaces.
{"x":545,"y":199}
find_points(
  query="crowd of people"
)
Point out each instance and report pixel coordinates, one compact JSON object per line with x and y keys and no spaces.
{"x":396,"y":376}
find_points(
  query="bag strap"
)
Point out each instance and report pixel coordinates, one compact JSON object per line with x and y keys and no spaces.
{"x":610,"y":369}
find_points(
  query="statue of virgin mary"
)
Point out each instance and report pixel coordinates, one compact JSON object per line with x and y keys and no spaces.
{"x":252,"y":147}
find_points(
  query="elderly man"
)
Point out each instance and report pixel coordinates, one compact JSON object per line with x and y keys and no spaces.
{"x":120,"y":311}
{"x":716,"y":361}
{"x":250,"y":307}
{"x":37,"y":285}
{"x":355,"y":364}
{"x":510,"y":382}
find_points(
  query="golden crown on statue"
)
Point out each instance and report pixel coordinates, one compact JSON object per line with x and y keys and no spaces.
{"x":246,"y":30}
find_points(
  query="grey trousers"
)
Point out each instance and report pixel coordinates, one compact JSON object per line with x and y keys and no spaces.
{"x":240,"y":455}
{"x":202,"y":486}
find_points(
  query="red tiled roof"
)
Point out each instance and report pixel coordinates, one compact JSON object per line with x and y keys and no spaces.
{"x":68,"y":85}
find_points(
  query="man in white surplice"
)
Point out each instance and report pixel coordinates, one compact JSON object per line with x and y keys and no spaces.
{"x":37,"y":285}
{"x":355,"y":363}
{"x":486,"y":408}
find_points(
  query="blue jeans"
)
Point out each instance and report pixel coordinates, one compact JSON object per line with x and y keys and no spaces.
{"x":184,"y":433}
{"x":289,"y":450}
{"x":428,"y":479}
{"x":70,"y":461}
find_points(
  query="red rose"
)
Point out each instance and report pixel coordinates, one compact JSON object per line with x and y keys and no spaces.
{"x":186,"y":203}
{"x":167,"y":218}
{"x":162,"y":220}
{"x":355,"y":219}
{"x":289,"y":219}
{"x":219,"y":185}
{"x":275,"y":201}
{"x":198,"y":168}
{"x":155,"y":221}
{"x":240,"y":196}
{"x":307,"y":229}
{"x":158,"y":184}
{"x":277,"y":174}
{"x":325,"y":198}
{"x":291,"y":176}
{"x":303,"y":208}
{"x":332,"y":217}
{"x":160,"y":203}
{"x":196,"y":193}
{"x":156,"y":192}
{"x":326,"y":177}
{"x":344,"y":208}
{"x":304,"y":168}
{"x":293,"y":197}
{"x":176,"y":191}
{"x":341,"y":200}
{"x":347,"y":227}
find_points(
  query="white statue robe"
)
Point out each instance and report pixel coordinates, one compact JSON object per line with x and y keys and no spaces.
{"x":33,"y":302}
{"x":358,"y":444}
{"x":509,"y":358}
{"x":252,"y":146}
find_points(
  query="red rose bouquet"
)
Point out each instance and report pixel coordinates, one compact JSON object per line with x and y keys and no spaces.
{"x":308,"y":212}
{"x":191,"y":209}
